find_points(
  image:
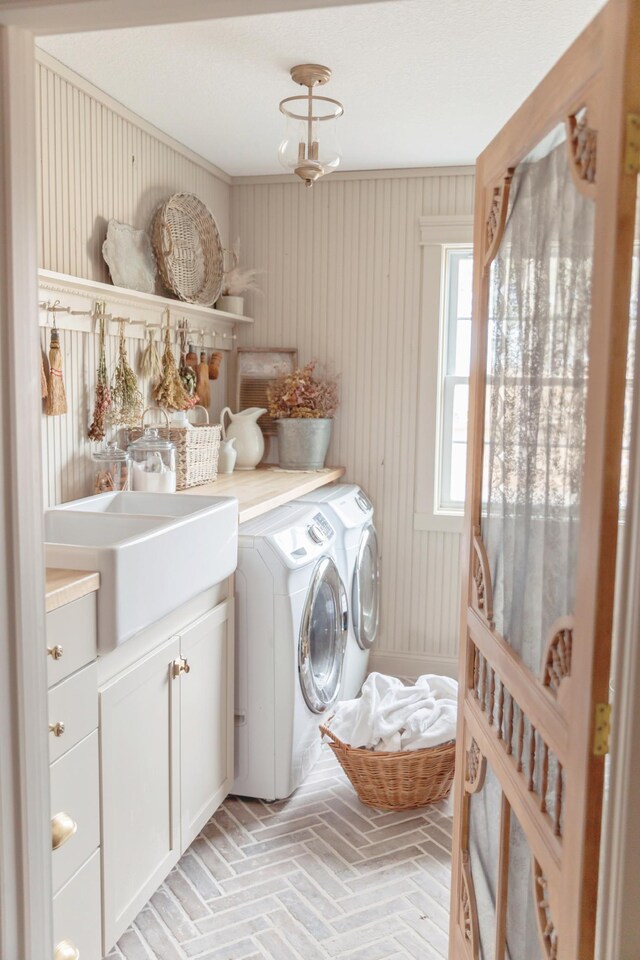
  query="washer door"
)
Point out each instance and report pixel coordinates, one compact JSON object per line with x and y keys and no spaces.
{"x":365,"y":598}
{"x":323,"y":637}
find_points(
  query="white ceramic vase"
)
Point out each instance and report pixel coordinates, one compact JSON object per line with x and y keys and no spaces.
{"x":227,"y":455}
{"x":231,"y":305}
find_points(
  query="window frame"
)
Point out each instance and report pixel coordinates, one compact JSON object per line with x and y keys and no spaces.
{"x":437,"y":235}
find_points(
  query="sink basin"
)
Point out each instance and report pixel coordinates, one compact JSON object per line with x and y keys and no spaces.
{"x":153,"y":551}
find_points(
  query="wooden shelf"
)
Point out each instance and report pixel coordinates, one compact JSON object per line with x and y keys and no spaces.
{"x":142,"y":309}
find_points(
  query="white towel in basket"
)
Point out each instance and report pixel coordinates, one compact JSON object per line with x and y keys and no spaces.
{"x":390,"y":716}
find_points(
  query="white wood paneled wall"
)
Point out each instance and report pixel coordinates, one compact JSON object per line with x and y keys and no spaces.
{"x":97,"y":161}
{"x":342,"y":283}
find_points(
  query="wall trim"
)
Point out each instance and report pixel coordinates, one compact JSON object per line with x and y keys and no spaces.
{"x":46,"y":60}
{"x":412,"y":665}
{"x":391,"y":173}
{"x":455,"y":227}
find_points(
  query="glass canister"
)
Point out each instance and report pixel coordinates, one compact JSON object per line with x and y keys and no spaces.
{"x":153,"y":463}
{"x":113,"y":468}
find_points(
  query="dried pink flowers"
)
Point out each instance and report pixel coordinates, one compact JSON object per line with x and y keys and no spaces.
{"x":301,"y":395}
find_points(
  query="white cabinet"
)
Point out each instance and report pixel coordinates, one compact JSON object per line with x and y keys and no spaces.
{"x":166,"y":740}
{"x":74,"y":776}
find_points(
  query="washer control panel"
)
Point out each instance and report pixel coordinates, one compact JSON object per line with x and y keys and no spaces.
{"x":320,"y":530}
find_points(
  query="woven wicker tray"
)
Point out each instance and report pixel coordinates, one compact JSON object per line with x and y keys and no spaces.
{"x":188,"y":249}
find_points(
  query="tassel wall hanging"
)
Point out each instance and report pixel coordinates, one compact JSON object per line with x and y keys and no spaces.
{"x":102,"y":402}
{"x":202,"y":383}
{"x":127,"y":400}
{"x":170,"y":393}
{"x":150,"y":363}
{"x":56,"y":394}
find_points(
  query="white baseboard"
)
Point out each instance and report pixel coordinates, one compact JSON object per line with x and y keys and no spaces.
{"x":411,"y":664}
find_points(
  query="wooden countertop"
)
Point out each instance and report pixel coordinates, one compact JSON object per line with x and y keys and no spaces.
{"x":63,"y":586}
{"x":259,"y":491}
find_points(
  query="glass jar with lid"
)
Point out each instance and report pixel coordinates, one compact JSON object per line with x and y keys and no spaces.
{"x":113,"y":468}
{"x":153,"y":462}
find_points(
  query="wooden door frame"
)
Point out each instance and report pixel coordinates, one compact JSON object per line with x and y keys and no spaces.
{"x":24,"y":804}
{"x":598,"y":66}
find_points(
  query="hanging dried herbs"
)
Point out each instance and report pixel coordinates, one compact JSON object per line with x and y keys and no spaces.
{"x":170,"y":393}
{"x":187,"y":372}
{"x":127,"y":400}
{"x":102,"y":403}
{"x":150,"y":363}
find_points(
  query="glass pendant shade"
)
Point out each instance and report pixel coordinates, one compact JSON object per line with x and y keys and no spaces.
{"x":310,"y":146}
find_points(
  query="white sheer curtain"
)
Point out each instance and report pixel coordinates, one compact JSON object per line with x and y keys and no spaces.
{"x":539,"y":328}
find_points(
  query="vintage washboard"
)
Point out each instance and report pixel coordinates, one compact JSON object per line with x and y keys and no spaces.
{"x":257,"y":368}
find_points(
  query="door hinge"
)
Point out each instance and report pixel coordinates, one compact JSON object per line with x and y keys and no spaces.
{"x":602,"y":729}
{"x":632,"y":144}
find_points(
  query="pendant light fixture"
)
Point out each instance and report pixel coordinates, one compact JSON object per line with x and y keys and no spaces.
{"x":310,"y":147}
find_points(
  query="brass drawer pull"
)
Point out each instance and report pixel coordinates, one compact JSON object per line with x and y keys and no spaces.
{"x":55,"y":652}
{"x":57,"y":728}
{"x":66,"y":951}
{"x":180,"y":666}
{"x":62,"y":829}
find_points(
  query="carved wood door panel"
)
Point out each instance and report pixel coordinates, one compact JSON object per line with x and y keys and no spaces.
{"x":554,"y":221}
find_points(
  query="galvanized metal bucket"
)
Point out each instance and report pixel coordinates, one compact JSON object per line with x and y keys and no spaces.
{"x":303,"y":442}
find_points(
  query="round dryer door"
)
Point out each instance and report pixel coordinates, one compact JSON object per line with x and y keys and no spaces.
{"x":323,"y":637}
{"x":365,"y":599}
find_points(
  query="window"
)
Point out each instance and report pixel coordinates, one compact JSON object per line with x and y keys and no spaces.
{"x":443,"y":388}
{"x":453,"y":381}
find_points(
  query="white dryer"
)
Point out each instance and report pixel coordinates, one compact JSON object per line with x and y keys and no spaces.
{"x":291,"y":632}
{"x":351,"y":512}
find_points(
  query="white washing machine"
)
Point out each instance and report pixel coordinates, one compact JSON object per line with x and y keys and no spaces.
{"x":351,"y":512}
{"x":291,"y":633}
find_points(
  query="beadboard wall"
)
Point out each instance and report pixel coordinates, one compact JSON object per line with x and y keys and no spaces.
{"x":342,"y":282}
{"x":98,"y":160}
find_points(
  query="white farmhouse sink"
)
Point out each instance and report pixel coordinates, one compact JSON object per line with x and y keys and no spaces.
{"x":153,"y":551}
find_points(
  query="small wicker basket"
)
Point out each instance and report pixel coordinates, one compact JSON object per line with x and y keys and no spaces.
{"x":396,"y":781}
{"x":197,"y":449}
{"x":188,"y":249}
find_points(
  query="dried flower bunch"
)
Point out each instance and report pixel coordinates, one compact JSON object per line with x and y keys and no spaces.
{"x":102,"y":405}
{"x":301,"y":395}
{"x":126,"y":398}
{"x":236,"y":281}
{"x":169,"y":392}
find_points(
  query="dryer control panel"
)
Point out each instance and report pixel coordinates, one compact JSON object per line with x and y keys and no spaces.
{"x":320,"y":530}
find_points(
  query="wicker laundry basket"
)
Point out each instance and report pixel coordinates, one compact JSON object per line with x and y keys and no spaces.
{"x":396,"y":781}
{"x":197,"y":448}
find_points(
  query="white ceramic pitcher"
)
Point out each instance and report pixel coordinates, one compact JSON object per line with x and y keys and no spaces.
{"x":248,"y":436}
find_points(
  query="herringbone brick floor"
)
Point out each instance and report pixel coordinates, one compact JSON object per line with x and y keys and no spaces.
{"x":319,"y":876}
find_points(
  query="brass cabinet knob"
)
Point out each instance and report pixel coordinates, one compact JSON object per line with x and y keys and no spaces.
{"x":57,"y":728}
{"x":55,"y":652}
{"x":66,"y":951}
{"x":180,"y":666}
{"x":62,"y":828}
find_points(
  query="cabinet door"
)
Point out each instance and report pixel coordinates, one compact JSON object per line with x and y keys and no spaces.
{"x":139,"y":740}
{"x":206,"y":698}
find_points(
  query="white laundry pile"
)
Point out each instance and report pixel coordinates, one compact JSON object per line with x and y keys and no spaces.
{"x":390,"y":716}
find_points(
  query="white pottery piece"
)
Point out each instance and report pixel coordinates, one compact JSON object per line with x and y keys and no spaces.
{"x":247,"y":434}
{"x":129,"y":256}
{"x":231,"y":305}
{"x":227,"y":455}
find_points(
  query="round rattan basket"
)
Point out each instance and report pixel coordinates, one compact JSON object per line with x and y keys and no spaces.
{"x":396,"y":781}
{"x":188,"y":249}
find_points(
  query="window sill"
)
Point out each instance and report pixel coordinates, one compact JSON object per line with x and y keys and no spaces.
{"x":438,"y":522}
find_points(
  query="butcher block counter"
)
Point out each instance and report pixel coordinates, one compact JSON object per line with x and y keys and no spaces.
{"x":63,"y":586}
{"x":259,"y":491}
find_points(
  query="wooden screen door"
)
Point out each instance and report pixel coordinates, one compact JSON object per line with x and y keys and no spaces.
{"x":552,"y":279}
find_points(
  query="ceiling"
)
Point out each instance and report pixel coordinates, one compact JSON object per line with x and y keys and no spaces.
{"x":423,"y":83}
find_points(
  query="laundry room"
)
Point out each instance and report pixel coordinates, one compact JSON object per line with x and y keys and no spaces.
{"x":319,"y":491}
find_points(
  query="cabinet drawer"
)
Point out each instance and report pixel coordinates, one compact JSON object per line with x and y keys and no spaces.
{"x":73,"y":629}
{"x":76,"y":911}
{"x":74,"y":702}
{"x":75,"y":790}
